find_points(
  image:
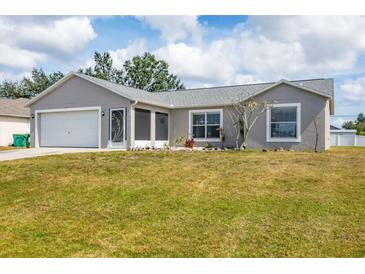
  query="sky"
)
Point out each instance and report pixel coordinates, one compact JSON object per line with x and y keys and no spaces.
{"x":203,"y":51}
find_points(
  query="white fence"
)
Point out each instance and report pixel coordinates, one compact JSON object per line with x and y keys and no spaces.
{"x":346,"y":138}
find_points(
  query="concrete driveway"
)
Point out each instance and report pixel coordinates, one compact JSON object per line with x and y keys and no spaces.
{"x":44,"y":151}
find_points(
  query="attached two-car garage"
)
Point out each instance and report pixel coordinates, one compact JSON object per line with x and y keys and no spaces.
{"x":69,"y":127}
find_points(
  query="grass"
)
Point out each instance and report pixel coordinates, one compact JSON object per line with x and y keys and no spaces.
{"x":184,"y":204}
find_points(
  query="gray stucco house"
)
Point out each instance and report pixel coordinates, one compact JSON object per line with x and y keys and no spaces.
{"x":83,"y":111}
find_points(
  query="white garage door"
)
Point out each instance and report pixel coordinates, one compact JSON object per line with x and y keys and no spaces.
{"x":70,"y":129}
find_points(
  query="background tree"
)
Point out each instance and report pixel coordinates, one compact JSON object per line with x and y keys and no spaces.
{"x":29,"y":86}
{"x":143,"y":72}
{"x":147,"y":73}
{"x":103,"y":68}
{"x":10,"y":89}
{"x":39,"y":81}
{"x":358,"y":124}
{"x":349,"y":125}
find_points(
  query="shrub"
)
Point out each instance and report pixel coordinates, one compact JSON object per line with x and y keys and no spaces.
{"x":180,"y":140}
{"x":189,"y":143}
{"x":208,"y":146}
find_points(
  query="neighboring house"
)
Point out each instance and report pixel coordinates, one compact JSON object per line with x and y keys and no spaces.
{"x":343,"y":137}
{"x":14,"y":118}
{"x":333,"y":127}
{"x":83,"y":111}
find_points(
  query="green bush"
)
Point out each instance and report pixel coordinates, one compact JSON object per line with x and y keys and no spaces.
{"x":208,"y":146}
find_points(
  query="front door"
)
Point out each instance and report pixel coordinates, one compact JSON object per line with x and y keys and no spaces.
{"x":117,"y":128}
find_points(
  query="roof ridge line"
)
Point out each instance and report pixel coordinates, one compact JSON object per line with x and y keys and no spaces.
{"x":241,"y":85}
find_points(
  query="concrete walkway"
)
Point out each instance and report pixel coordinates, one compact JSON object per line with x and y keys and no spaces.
{"x":44,"y":151}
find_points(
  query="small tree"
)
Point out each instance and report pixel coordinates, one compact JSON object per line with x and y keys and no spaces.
{"x":317,"y":134}
{"x":244,"y":115}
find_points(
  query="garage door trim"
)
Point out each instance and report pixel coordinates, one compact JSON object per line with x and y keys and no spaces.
{"x":36,"y":141}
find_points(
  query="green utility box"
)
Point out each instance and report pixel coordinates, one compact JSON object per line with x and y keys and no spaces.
{"x":21,"y":140}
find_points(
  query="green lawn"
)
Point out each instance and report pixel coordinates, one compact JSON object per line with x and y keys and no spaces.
{"x":184,"y":204}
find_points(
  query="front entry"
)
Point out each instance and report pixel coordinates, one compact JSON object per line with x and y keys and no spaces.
{"x":117,"y":128}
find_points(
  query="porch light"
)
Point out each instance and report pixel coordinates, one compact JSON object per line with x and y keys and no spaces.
{"x":32,"y":116}
{"x":102,"y":113}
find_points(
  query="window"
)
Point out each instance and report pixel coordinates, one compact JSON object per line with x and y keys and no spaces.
{"x":205,"y":124}
{"x":283,"y":123}
{"x":142,"y":124}
{"x":162,"y":126}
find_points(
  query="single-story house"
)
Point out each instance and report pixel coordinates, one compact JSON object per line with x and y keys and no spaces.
{"x":332,"y":127}
{"x":83,"y":111}
{"x":14,"y":118}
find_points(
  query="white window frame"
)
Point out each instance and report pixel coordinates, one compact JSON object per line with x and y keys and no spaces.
{"x":268,"y":124}
{"x":205,"y":111}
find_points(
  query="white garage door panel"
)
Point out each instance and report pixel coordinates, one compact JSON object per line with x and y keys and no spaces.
{"x":70,"y":129}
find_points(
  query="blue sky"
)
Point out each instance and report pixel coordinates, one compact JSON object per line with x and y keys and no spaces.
{"x":201,"y":50}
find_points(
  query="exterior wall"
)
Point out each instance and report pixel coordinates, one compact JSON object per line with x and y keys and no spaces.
{"x":12,"y":125}
{"x":312,"y":105}
{"x":77,"y":92}
{"x":179,"y":122}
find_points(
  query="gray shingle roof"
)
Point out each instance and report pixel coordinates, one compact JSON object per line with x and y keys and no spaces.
{"x":14,"y":107}
{"x":207,"y":96}
{"x":201,"y":97}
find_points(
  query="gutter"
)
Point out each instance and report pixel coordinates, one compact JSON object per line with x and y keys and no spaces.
{"x":135,"y":103}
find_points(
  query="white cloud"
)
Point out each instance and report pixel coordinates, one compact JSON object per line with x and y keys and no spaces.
{"x":13,"y":76}
{"x":338,"y":122}
{"x":270,"y":48}
{"x":30,"y":40}
{"x":239,"y":79}
{"x":119,"y":56}
{"x":324,"y":44}
{"x":174,"y":28}
{"x":19,"y":58}
{"x":214,"y":62}
{"x":354,"y":90}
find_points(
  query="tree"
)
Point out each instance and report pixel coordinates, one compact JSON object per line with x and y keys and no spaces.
{"x":39,"y":81}
{"x":358,"y":124}
{"x":317,"y":134}
{"x":29,"y":86}
{"x":349,"y":125}
{"x":360,"y":118}
{"x":142,"y":72}
{"x":10,"y":89}
{"x":147,"y":73}
{"x":103,"y":68}
{"x":244,"y":115}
